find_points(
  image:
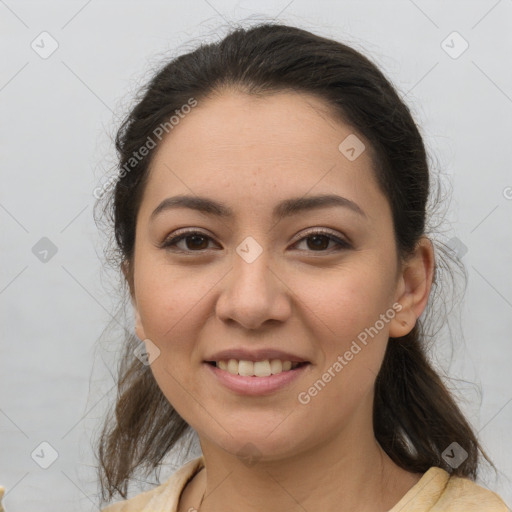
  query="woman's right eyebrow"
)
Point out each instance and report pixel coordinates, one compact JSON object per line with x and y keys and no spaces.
{"x":285,"y":208}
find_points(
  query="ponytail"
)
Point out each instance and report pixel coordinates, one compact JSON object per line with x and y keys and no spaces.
{"x":415,"y":417}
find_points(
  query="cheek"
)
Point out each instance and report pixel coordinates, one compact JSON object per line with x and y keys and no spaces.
{"x":169,"y":303}
{"x":174,"y":304}
{"x":351,"y":353}
{"x":345,"y":302}
{"x":168,"y":299}
{"x":350,"y":314}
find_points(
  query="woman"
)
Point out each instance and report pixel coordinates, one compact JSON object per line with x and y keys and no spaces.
{"x":270,"y":215}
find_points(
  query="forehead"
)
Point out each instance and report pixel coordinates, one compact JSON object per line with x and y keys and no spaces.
{"x":259,"y":150}
{"x":234,"y":124}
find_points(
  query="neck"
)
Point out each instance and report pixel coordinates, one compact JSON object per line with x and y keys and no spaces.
{"x":348,"y":473}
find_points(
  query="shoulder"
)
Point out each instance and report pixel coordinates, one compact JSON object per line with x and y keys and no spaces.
{"x":437,"y":491}
{"x":462,"y":494}
{"x":165,"y":496}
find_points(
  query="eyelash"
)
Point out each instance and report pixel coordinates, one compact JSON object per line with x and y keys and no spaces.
{"x":168,"y":243}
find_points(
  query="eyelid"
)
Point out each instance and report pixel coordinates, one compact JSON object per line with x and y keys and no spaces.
{"x":334,"y":235}
{"x":177,"y":236}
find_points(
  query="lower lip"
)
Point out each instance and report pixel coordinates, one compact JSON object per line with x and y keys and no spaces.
{"x":256,"y":386}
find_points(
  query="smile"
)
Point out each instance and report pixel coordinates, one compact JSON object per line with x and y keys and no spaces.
{"x":244,"y":377}
{"x":263,"y":368}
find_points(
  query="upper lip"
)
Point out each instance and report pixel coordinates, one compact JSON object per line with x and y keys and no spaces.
{"x":255,"y":355}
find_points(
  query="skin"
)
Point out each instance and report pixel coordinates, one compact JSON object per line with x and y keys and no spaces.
{"x":250,"y":153}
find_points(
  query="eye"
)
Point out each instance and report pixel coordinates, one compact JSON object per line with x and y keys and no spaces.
{"x":194,"y":241}
{"x":319,"y":241}
{"x":197,"y":241}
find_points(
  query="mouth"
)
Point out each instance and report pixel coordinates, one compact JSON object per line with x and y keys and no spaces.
{"x":264,"y":368}
{"x":256,"y":378}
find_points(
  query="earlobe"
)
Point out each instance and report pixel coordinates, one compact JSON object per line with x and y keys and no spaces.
{"x":413,"y":288}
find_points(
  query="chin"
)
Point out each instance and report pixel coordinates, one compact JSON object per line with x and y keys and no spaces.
{"x":256,"y":444}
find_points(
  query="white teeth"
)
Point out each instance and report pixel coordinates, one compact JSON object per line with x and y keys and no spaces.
{"x":233,"y":366}
{"x":263,"y":368}
{"x":245,"y":368}
{"x":276,"y":366}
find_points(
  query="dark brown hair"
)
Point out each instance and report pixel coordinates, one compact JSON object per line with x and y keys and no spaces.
{"x":415,"y":417}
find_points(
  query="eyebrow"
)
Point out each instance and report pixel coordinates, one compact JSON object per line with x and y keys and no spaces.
{"x":286,"y":208}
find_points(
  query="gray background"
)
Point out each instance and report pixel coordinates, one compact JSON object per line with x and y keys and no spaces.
{"x":57,"y":117}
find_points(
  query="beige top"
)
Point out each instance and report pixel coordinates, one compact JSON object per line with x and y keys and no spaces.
{"x":436,"y":491}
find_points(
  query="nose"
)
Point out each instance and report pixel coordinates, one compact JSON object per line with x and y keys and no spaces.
{"x":253,"y":294}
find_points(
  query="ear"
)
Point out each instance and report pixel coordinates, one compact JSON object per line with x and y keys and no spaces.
{"x":139,"y":329}
{"x":413,"y":288}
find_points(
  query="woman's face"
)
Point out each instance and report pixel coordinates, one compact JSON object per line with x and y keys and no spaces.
{"x":269,"y":273}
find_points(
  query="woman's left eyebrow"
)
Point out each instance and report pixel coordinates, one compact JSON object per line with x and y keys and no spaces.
{"x":285,"y":208}
{"x":293,"y":206}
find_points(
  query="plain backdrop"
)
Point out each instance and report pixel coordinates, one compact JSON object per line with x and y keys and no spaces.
{"x":68,"y":72}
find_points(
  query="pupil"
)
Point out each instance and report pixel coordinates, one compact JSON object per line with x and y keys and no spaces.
{"x":196,"y":241}
{"x":314,"y":242}
{"x":319,"y":242}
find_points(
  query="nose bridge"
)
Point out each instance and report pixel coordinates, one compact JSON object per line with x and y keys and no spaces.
{"x":251,"y":267}
{"x":253,"y":294}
